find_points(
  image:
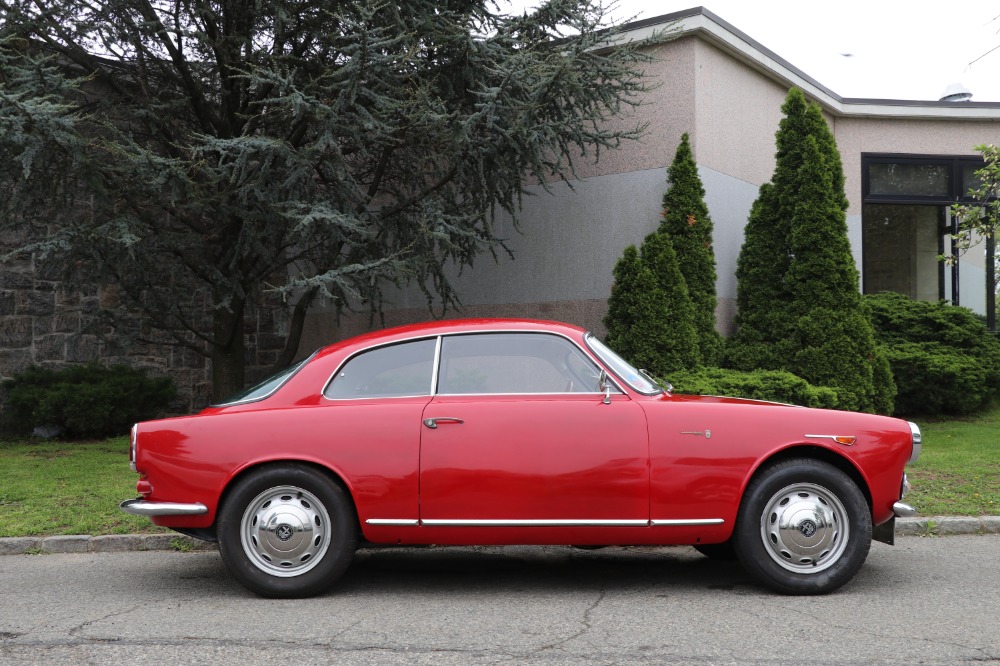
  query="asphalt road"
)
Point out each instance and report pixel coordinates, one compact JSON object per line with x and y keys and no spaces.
{"x":926,"y":600}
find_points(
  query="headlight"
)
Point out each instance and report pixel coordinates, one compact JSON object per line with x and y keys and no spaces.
{"x":917,"y":441}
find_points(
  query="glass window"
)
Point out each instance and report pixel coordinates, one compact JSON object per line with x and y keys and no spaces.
{"x":403,"y":369}
{"x":922,"y":180}
{"x":490,"y":363}
{"x":969,"y":178}
{"x":901,"y":248}
{"x":623,"y":368}
{"x":264,"y":388}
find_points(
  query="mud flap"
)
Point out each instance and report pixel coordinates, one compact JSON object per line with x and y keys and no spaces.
{"x":886,"y":532}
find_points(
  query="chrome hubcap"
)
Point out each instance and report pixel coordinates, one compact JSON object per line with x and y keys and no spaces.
{"x":285,"y":531}
{"x":804,"y":528}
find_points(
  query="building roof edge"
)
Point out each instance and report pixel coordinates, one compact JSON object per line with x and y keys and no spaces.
{"x":703,"y":23}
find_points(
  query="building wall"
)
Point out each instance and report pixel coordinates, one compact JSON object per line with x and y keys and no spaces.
{"x":570,"y":239}
{"x":921,"y":137}
{"x":738,"y":111}
{"x":908,"y":136}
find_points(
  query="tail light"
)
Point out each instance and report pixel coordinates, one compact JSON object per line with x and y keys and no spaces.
{"x":132,"y":445}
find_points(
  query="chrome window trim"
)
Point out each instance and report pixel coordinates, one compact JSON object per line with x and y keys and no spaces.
{"x":435,"y":366}
{"x":587,"y":352}
{"x":481,"y":395}
{"x":303,"y":363}
{"x":593,"y":359}
{"x":416,"y":338}
{"x":611,"y":373}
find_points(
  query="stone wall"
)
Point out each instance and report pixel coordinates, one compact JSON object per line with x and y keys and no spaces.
{"x":45,"y":321}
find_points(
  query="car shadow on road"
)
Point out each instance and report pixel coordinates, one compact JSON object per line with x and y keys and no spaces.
{"x":540,"y":568}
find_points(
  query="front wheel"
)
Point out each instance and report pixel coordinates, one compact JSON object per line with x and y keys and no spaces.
{"x":287,"y":531}
{"x":803,"y":527}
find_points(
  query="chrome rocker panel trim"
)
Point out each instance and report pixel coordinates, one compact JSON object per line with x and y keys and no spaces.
{"x":138,"y":507}
{"x":585,"y":522}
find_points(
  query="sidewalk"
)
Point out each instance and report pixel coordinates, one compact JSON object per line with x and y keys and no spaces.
{"x":118,"y":543}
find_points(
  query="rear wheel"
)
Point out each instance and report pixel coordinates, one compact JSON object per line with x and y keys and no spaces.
{"x":803,"y":527}
{"x":287,"y":531}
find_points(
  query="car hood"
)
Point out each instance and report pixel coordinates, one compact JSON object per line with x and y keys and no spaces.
{"x":719,"y":399}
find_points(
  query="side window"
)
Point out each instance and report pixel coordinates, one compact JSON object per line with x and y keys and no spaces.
{"x":396,"y":370}
{"x":488,"y":363}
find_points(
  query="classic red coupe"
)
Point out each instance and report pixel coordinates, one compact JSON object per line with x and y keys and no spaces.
{"x":515,"y":432}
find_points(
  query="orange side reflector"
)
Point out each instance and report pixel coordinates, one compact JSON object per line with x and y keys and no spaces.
{"x":844,"y":439}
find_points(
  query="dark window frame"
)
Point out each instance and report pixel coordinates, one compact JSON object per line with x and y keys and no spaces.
{"x":956,"y":194}
{"x":953,"y":163}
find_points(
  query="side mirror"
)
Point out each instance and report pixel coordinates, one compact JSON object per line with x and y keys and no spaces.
{"x":605,"y":386}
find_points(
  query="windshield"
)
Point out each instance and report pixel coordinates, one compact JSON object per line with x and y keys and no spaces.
{"x":266,"y":387}
{"x":621,"y":367}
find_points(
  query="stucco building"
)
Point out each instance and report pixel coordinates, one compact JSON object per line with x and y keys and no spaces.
{"x":905,"y":162}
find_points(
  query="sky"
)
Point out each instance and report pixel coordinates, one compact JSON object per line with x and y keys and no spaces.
{"x":883,"y":49}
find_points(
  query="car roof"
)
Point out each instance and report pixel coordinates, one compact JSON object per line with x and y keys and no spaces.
{"x":450,"y":326}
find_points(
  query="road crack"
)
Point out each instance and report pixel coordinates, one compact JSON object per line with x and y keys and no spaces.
{"x":586,"y":621}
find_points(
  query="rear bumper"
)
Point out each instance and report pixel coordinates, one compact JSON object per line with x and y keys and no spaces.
{"x":140,"y":507}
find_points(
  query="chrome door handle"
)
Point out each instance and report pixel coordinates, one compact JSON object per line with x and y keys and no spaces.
{"x":433,"y":423}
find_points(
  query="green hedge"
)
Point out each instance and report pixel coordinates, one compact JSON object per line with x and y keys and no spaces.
{"x":85,"y":401}
{"x":943,"y":358}
{"x":773,"y":385}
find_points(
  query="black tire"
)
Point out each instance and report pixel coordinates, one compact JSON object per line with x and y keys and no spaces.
{"x":723,"y":552}
{"x":803,"y":527}
{"x":287,"y":531}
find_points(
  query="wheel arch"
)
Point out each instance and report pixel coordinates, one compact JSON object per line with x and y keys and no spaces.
{"x":263,"y":464}
{"x":820,"y":453}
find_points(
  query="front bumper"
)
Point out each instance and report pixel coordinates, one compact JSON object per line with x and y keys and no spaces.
{"x":141,"y":507}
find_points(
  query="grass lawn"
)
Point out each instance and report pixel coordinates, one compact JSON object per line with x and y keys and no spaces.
{"x":49,"y":488}
{"x":958,"y":473}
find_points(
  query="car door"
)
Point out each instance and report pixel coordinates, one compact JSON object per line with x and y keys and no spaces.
{"x":376,"y":399}
{"x":518,"y":434}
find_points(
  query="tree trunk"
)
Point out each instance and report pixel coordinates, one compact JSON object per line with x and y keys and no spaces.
{"x":228,"y":351}
{"x":295,"y":327}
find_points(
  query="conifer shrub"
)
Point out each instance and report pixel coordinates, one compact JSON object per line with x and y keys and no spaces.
{"x":799,"y":307}
{"x":943,"y":358}
{"x":85,"y":401}
{"x":770,"y":385}
{"x":686,"y":221}
{"x":649,"y":318}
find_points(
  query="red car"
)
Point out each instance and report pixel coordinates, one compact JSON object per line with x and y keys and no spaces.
{"x":515,"y":432}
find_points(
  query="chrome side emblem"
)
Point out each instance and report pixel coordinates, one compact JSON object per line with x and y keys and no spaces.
{"x":707,"y":434}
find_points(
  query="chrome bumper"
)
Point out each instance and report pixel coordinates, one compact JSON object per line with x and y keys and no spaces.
{"x":139,"y":507}
{"x":903,"y":510}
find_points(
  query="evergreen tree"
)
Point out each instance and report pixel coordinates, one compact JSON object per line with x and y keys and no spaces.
{"x":832,"y":337}
{"x":762,"y":292}
{"x":650,"y":316}
{"x":799,"y":305}
{"x":203,"y":154}
{"x":687,"y":223}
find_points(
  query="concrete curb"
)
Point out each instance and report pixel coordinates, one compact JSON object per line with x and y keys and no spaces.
{"x":107,"y":543}
{"x":121,"y":543}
